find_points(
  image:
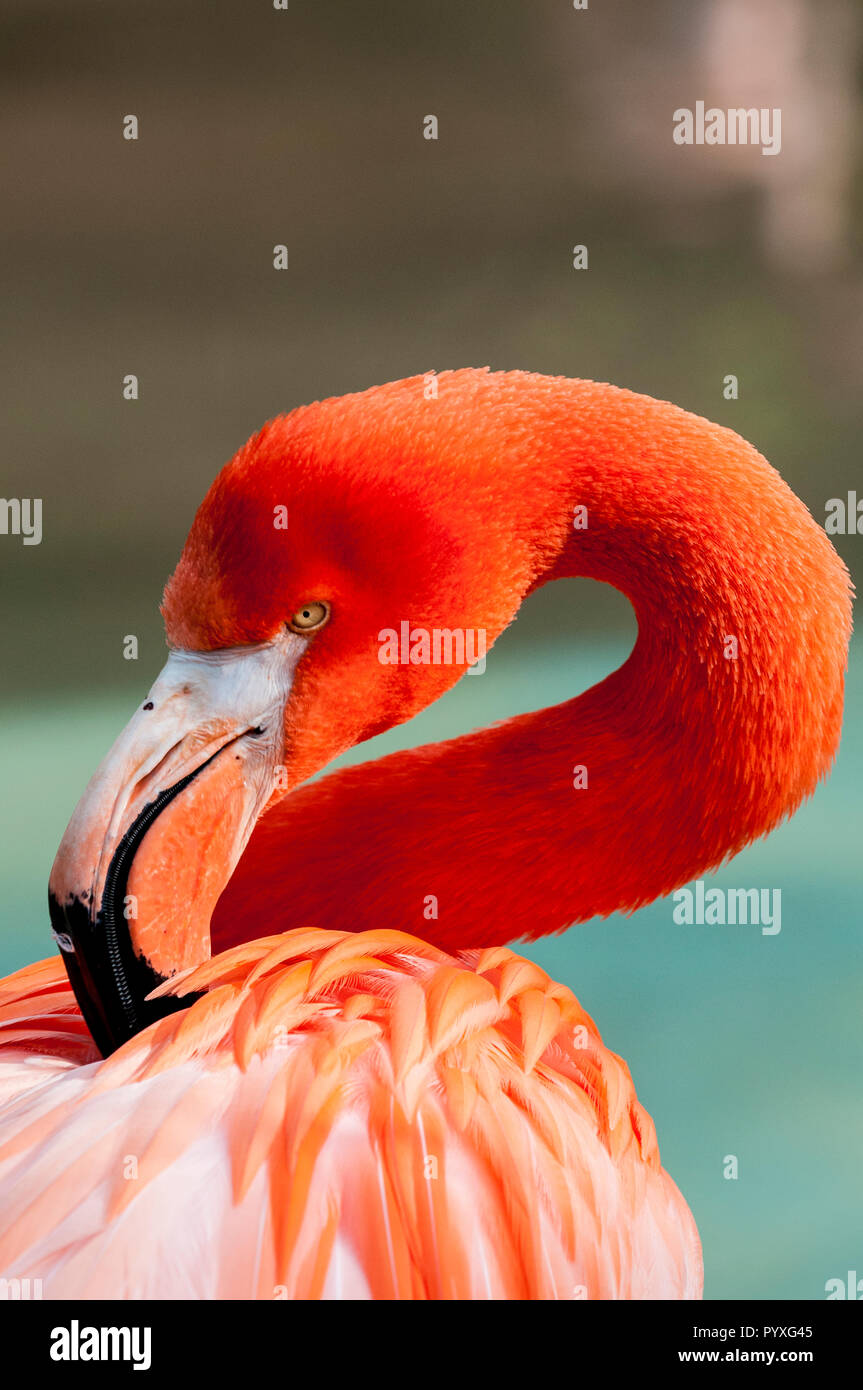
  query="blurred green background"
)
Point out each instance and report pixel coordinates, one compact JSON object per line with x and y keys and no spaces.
{"x":155,"y":257}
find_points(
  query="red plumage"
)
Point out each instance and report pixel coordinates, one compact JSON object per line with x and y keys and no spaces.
{"x":689,"y":754}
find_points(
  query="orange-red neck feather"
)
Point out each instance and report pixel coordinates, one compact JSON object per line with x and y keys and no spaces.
{"x":447,"y":512}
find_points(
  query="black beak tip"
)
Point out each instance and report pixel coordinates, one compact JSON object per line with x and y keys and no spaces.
{"x":109,"y":981}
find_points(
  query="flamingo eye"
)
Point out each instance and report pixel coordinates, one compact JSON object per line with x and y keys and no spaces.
{"x":310,"y":617}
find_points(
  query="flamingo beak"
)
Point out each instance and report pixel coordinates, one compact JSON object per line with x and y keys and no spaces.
{"x":160,"y":828}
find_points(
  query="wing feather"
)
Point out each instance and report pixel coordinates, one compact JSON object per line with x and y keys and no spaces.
{"x":337,"y":1115}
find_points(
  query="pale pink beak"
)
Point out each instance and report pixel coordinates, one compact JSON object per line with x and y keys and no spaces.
{"x":160,"y":828}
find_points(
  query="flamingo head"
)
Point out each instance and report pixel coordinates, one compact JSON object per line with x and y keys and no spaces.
{"x":285,"y":623}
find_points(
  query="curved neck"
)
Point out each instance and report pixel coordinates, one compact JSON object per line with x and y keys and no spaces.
{"x":723,"y":718}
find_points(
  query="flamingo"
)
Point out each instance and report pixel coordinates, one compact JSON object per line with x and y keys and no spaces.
{"x":284,"y":1050}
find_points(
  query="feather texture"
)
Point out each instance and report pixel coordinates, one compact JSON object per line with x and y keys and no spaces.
{"x":336,"y":1116}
